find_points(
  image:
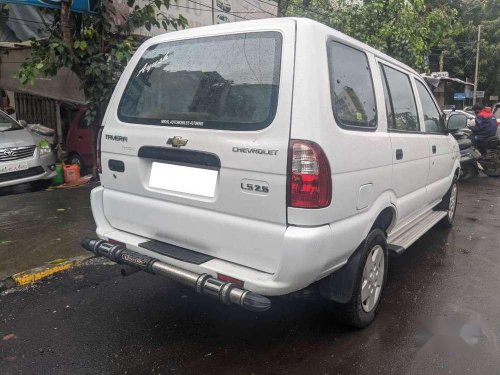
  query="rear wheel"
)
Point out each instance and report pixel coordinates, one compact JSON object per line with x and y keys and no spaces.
{"x":361,"y":309}
{"x":491,"y":169}
{"x":490,"y":162}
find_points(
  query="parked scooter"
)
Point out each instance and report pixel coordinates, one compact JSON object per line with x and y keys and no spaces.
{"x":484,"y":157}
{"x":469,"y":155}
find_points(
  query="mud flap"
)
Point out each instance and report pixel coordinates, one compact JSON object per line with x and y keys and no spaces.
{"x":339,"y":286}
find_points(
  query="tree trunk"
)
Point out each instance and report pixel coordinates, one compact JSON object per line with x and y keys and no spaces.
{"x":65,"y":24}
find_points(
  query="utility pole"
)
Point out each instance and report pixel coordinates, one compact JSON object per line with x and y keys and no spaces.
{"x":65,"y":24}
{"x":477,"y":65}
{"x":441,"y":61}
{"x":213,"y":15}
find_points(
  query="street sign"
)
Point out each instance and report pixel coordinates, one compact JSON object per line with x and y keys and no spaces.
{"x":459,"y":96}
{"x":80,"y":6}
{"x":441,"y":74}
{"x":493,"y":97}
{"x":479,"y":94}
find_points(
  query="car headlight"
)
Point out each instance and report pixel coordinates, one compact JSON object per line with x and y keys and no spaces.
{"x":44,"y":148}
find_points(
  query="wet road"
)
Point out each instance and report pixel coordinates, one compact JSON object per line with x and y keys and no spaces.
{"x":440,"y":315}
{"x":41,"y":226}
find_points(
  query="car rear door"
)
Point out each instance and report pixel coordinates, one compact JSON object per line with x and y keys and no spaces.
{"x":194,"y":148}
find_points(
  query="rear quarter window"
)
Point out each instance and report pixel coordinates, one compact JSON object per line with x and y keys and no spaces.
{"x":225,"y":82}
{"x":351,"y":85}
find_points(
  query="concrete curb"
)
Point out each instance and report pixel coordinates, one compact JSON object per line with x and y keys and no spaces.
{"x":39,"y":273}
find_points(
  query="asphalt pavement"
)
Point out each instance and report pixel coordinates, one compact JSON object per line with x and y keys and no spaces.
{"x":37,"y":227}
{"x":440,"y":315}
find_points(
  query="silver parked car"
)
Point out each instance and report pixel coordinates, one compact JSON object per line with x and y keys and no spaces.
{"x":25,"y":156}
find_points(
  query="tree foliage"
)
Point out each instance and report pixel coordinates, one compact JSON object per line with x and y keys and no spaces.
{"x":417,"y":31}
{"x":100,"y":48}
{"x":406,"y":30}
{"x":460,"y":52}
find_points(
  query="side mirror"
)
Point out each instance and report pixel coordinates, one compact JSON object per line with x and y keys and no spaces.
{"x":456,"y":121}
{"x":23,"y":123}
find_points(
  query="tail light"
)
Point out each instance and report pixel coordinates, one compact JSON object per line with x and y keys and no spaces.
{"x":309,"y":176}
{"x":99,"y":136}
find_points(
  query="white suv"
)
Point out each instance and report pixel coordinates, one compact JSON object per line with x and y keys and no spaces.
{"x":265,"y":157}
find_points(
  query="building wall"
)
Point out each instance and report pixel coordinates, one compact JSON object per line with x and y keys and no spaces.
{"x":207,"y":12}
{"x":64,"y":86}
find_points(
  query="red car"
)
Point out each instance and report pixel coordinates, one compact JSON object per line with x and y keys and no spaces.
{"x":79,"y":142}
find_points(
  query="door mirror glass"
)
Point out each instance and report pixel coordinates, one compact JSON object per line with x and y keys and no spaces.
{"x":457,"y":121}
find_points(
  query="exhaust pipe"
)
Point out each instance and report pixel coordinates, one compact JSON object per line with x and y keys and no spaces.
{"x":205,"y":284}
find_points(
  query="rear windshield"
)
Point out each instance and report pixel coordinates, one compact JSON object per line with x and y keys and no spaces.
{"x":225,"y":82}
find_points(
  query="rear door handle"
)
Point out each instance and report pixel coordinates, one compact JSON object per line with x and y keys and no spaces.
{"x":399,"y":154}
{"x":433,"y":149}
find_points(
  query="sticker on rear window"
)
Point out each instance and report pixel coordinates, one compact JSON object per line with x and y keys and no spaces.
{"x":182,"y":122}
{"x":162,"y":60}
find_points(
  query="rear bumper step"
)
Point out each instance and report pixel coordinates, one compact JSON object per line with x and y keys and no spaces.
{"x":204,"y":284}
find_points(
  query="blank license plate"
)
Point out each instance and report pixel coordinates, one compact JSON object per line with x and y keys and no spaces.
{"x":13,"y":168}
{"x":178,"y":178}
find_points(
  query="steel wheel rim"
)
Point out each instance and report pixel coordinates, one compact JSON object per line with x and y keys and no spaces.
{"x":373,"y":278}
{"x":453,"y":201}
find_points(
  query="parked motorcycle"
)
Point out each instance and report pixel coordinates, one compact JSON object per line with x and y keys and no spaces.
{"x":469,"y":156}
{"x":484,"y":156}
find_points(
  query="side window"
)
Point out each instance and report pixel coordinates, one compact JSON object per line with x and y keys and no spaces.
{"x":432,"y":117}
{"x":402,"y":115}
{"x":388,"y":103}
{"x":351,"y":87}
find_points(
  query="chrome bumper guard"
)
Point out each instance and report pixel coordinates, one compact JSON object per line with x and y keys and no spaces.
{"x":205,"y":284}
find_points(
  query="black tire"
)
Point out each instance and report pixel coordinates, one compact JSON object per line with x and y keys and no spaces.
{"x":41,"y":184}
{"x":353,"y":313}
{"x":491,"y":172}
{"x":77,"y":159}
{"x":444,"y":205}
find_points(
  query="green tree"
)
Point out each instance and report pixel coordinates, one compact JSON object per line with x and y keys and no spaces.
{"x":99,"y":49}
{"x":460,"y":52}
{"x":406,"y":30}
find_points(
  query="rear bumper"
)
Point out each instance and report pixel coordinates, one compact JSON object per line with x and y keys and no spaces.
{"x":225,"y":292}
{"x":304,"y":253}
{"x":39,"y":168}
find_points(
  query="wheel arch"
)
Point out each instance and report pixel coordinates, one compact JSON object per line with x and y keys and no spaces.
{"x":385,"y":220}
